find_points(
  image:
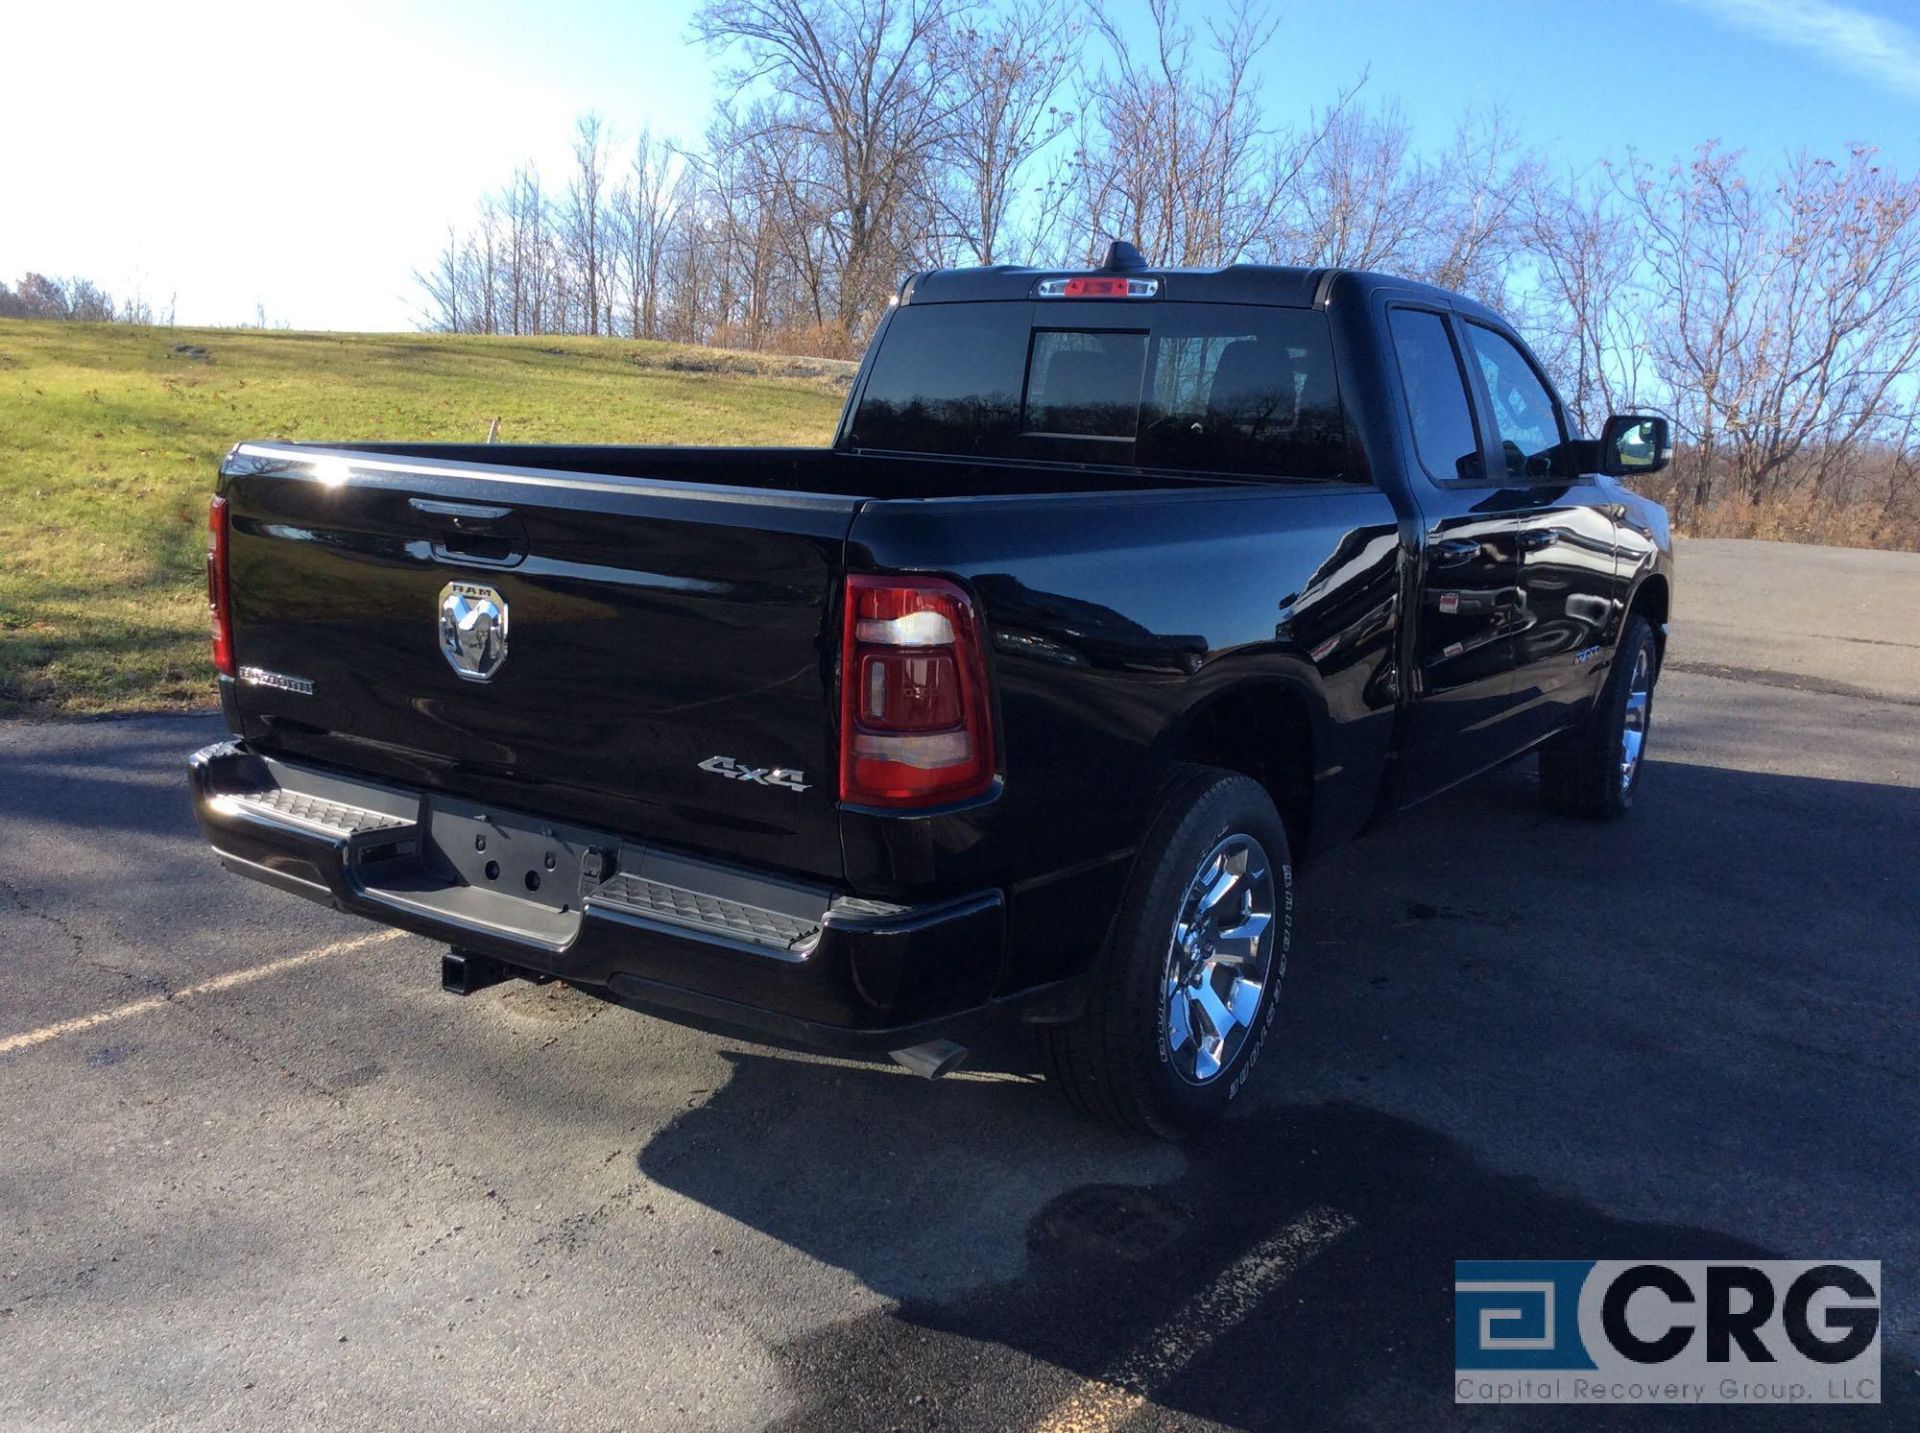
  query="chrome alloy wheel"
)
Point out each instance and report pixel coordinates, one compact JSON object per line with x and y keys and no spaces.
{"x":1219,"y":959}
{"x":1633,"y":730}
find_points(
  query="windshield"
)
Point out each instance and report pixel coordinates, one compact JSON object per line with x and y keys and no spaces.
{"x":1211,"y":388}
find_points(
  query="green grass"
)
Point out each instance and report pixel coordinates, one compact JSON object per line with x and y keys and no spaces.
{"x":110,"y":435}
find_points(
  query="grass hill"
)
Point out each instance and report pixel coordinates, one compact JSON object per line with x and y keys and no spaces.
{"x":110,"y":435}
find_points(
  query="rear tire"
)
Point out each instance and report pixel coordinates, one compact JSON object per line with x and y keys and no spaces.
{"x":1595,"y":771}
{"x":1185,"y":992}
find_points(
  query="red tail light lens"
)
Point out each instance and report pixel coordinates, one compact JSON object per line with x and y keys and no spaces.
{"x":916,"y":727}
{"x":219,"y":610}
{"x":908,"y":693}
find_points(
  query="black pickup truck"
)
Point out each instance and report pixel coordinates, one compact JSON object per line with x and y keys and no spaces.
{"x":1117,"y":594}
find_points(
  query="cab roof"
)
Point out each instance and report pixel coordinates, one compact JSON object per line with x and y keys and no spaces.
{"x":1233,"y":283}
{"x":1279,"y":285}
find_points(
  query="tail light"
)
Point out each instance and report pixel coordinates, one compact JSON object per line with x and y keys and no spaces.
{"x":218,"y":607}
{"x":916,"y":727}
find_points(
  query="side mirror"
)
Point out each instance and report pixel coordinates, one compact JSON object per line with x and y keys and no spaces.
{"x":1634,"y":444}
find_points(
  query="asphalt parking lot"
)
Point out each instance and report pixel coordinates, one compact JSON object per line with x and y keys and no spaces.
{"x":288,"y":1182}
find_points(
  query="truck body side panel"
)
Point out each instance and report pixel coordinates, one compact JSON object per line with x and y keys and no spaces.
{"x":1111,"y":622}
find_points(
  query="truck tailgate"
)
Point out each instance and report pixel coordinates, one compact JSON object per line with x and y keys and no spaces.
{"x":654,"y":658}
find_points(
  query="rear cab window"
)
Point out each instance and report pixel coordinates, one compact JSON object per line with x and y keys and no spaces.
{"x":1084,"y":383}
{"x":1221,"y":389}
{"x":946,"y":379}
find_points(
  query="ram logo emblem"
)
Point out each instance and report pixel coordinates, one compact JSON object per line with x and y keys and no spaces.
{"x":473,"y":629}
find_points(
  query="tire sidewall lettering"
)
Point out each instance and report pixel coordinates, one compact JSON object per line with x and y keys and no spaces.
{"x":1257,"y":1040}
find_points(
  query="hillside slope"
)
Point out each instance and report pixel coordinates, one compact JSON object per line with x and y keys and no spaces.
{"x":109,"y":437}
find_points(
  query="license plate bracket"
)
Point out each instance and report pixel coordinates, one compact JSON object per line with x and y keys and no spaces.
{"x":516,"y":855}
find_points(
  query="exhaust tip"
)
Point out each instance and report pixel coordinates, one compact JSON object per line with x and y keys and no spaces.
{"x":931,"y":1060}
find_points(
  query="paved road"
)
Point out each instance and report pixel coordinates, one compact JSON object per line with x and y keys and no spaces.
{"x":1837,"y":619}
{"x":309,"y":1190}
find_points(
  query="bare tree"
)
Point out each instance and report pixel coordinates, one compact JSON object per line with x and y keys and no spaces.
{"x":528,"y":252}
{"x":446,"y":286}
{"x":752,"y":201}
{"x":1477,"y":223}
{"x":646,"y":206}
{"x":37,"y":296}
{"x":865,"y":82}
{"x":586,"y":218}
{"x":1784,"y":318}
{"x":1589,"y":307}
{"x":1174,"y":150}
{"x":87,"y":302}
{"x":1008,"y":81}
{"x":76,"y":299}
{"x":1839,"y":328}
{"x":1704,"y":247}
{"x":1364,"y":196}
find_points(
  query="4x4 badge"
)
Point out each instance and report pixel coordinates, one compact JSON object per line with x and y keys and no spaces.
{"x":765,"y":776}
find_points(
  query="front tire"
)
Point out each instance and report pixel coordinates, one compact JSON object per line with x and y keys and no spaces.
{"x":1595,"y":771}
{"x":1184,"y":996}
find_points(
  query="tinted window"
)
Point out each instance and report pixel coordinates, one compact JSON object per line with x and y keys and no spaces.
{"x":1201,"y":387}
{"x":1085,"y":384}
{"x":946,"y":379}
{"x":1244,"y":391}
{"x":1524,"y":419}
{"x":1436,"y":389}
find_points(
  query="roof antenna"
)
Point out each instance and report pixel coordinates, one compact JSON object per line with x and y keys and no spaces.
{"x":1121,"y":255}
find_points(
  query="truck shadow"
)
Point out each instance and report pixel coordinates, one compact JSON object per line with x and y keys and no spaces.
{"x":1122,"y":1281}
{"x":1506,"y":1035}
{"x":127,"y":777}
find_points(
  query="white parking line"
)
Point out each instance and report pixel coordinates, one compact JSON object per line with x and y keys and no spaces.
{"x":29,"y":1038}
{"x":1105,"y":1403}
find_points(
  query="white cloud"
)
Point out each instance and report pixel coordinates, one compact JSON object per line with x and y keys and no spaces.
{"x":1848,"y":37}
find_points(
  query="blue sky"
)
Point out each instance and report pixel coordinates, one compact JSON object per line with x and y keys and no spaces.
{"x":230,"y":152}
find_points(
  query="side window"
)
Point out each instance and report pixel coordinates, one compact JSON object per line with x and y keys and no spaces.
{"x":1523,"y":414}
{"x":1443,"y":432}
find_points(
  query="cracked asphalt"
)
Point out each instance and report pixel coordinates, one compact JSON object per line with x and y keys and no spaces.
{"x":292,"y":1184}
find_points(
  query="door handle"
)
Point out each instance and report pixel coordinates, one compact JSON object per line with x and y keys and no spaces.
{"x":472,"y":532}
{"x":460,"y":517}
{"x":1452,"y":551}
{"x":1533,"y":539}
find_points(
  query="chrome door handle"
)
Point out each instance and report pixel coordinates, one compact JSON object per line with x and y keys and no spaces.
{"x":1453,"y":551}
